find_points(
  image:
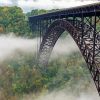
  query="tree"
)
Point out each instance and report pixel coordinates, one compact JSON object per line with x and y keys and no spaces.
{"x":4,"y":18}
{"x":12,"y":19}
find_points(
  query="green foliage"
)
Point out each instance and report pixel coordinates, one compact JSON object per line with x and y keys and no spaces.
{"x":36,"y":12}
{"x":22,"y":76}
{"x":12,"y":19}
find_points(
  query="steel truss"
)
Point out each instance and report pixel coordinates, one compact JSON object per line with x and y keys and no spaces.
{"x":83,"y":24}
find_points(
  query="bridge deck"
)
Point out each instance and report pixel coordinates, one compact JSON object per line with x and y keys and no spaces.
{"x":86,"y":10}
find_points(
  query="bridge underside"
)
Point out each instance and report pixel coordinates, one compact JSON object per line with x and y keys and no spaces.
{"x":83,"y":24}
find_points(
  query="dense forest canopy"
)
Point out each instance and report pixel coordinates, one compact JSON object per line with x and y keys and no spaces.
{"x":12,"y":19}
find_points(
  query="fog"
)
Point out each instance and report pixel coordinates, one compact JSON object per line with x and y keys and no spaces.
{"x":65,"y":95}
{"x":68,"y":96}
{"x":10,"y":44}
{"x":64,"y":46}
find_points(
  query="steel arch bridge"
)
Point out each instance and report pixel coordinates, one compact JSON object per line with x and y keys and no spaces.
{"x":82,"y":23}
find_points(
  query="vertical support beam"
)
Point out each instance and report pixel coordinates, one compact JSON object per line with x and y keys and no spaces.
{"x":47,"y":24}
{"x":73,"y":19}
{"x":59,"y":16}
{"x":50,"y":21}
{"x":40,"y":31}
{"x":91,"y":22}
{"x":43,"y":27}
{"x":82,"y":27}
{"x":94,"y":38}
{"x":37,"y":32}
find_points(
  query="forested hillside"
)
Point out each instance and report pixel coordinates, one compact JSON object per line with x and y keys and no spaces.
{"x":12,"y":19}
{"x":21,"y":76}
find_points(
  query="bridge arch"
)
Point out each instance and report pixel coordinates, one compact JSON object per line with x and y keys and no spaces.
{"x":83,"y":38}
{"x":52,"y":35}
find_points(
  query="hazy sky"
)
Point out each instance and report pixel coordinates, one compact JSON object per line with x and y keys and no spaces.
{"x":28,"y":5}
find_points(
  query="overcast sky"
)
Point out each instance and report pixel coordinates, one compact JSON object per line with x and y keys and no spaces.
{"x":28,"y":5}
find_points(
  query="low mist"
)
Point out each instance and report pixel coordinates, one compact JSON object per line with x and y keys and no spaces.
{"x":10,"y":44}
{"x":67,"y":96}
{"x":64,"y":46}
